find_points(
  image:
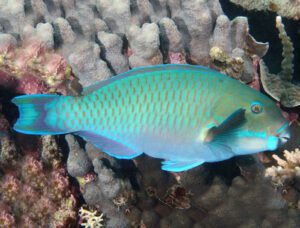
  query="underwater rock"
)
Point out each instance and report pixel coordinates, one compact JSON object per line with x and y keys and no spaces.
{"x":113,"y":52}
{"x":78,"y":163}
{"x":43,"y":32}
{"x":116,"y":14}
{"x":150,"y":218}
{"x":87,"y":64}
{"x":177,"y":219}
{"x":250,"y":196}
{"x":63,"y":31}
{"x":144,"y":43}
{"x":171,"y":37}
{"x":102,"y":191}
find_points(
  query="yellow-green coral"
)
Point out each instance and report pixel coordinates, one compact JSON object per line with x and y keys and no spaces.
{"x":286,"y":8}
{"x":232,"y":66}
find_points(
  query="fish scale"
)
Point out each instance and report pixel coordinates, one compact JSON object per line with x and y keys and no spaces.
{"x":183,"y":114}
{"x":173,"y":108}
{"x":143,"y":113}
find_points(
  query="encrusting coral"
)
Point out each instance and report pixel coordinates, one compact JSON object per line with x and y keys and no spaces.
{"x":280,"y":87}
{"x":286,"y":8}
{"x":34,"y":68}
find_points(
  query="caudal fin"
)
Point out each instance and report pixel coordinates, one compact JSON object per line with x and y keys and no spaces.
{"x":33,"y":110}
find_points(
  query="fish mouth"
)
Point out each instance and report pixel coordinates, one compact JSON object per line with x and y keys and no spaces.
{"x":283,"y":134}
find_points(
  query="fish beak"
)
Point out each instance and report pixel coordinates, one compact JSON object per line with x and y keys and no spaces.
{"x":284,"y":134}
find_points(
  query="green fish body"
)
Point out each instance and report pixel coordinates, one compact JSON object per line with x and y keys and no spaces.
{"x":183,"y":114}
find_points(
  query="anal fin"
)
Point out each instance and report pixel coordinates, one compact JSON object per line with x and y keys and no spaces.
{"x":179,"y":166}
{"x":109,"y":146}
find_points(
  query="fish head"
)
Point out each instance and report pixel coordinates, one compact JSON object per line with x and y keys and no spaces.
{"x":263,"y":127}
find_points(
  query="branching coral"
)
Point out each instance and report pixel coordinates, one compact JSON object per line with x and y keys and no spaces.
{"x":286,"y":8}
{"x":280,"y":87}
{"x":90,"y":219}
{"x":287,"y":170}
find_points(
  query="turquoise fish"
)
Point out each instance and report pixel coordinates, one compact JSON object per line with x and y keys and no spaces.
{"x":183,"y":114}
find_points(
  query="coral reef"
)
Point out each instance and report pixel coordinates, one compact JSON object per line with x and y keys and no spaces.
{"x":286,"y":176}
{"x":100,"y":39}
{"x":98,"y":45}
{"x":286,"y":8}
{"x":90,"y":219}
{"x":104,"y":189}
{"x":33,"y":192}
{"x":233,"y":49}
{"x":33,"y":68}
{"x":281,"y":87}
{"x":287,"y":170}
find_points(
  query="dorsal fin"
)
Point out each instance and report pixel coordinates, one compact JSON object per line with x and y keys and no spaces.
{"x":146,"y":69}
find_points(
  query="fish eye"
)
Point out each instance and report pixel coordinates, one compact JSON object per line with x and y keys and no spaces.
{"x":256,"y":107}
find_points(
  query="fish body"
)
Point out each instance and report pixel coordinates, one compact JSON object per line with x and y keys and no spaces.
{"x":183,"y":114}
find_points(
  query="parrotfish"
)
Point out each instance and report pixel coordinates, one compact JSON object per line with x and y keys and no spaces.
{"x":183,"y":114}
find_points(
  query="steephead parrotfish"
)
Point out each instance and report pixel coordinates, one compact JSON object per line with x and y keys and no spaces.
{"x":184,"y":114}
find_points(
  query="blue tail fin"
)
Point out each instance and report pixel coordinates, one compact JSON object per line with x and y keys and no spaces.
{"x":33,"y":111}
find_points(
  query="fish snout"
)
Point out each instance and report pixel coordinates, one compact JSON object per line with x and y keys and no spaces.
{"x":284,"y":134}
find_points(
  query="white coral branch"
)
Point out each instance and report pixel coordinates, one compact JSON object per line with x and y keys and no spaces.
{"x":90,"y":218}
{"x":287,"y":170}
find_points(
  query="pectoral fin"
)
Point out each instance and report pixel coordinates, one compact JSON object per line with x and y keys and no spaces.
{"x":227,"y":128}
{"x":179,"y":166}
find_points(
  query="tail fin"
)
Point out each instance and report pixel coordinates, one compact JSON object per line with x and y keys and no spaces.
{"x":33,"y":111}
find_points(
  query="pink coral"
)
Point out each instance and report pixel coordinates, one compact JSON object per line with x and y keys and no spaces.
{"x":32,"y":172}
{"x":10,"y":188}
{"x":59,"y":185}
{"x":176,"y":58}
{"x":7,"y":220}
{"x":33,"y":191}
{"x":33,"y":68}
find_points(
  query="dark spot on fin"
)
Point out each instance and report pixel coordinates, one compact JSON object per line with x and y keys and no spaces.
{"x":227,"y":127}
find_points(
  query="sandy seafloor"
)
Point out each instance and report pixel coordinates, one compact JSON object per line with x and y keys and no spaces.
{"x":59,"y":46}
